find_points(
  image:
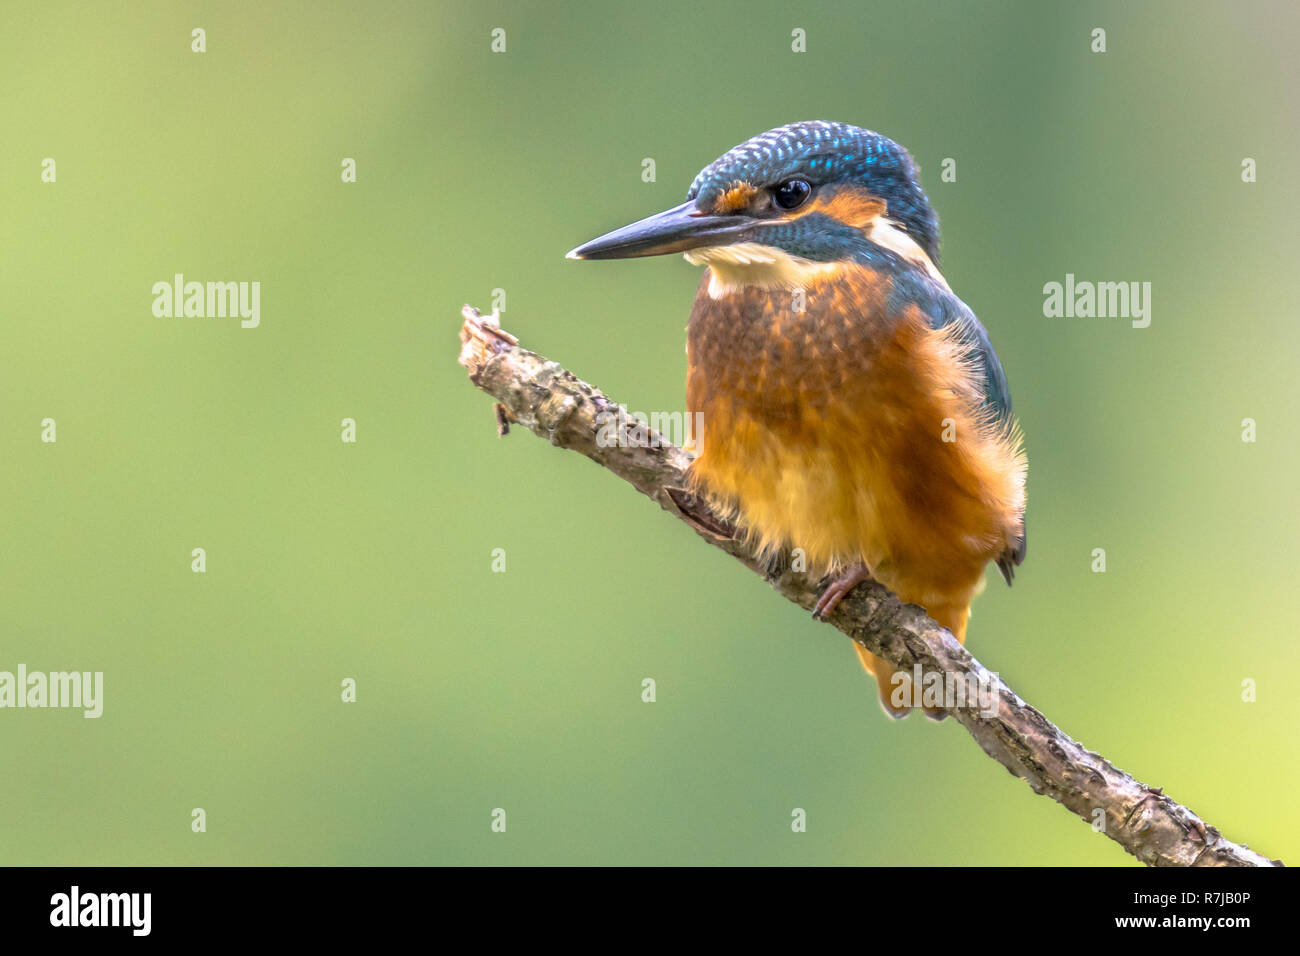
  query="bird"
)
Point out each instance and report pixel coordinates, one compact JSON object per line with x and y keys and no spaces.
{"x":851,"y":405}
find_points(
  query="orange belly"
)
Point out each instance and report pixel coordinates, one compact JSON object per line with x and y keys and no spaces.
{"x":855,"y":439}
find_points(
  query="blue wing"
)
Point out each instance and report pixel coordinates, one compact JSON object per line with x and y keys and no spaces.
{"x":910,"y":286}
{"x":945,"y":309}
{"x":997,"y":393}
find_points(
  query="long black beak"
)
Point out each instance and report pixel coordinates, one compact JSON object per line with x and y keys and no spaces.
{"x":676,"y":230}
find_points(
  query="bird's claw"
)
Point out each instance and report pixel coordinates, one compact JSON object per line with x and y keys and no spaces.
{"x":838,"y":589}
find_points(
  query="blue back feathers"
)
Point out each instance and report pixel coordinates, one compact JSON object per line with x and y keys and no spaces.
{"x":943,"y":308}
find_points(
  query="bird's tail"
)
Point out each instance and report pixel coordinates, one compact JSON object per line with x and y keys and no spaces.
{"x":896,"y":697}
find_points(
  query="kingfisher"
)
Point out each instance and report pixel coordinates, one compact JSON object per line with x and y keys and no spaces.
{"x":852,"y":406}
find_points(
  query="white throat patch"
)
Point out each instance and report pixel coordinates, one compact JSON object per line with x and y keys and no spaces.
{"x":754,"y":264}
{"x":768,"y":267}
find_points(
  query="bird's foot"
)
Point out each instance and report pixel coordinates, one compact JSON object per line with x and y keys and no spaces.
{"x":837,"y":590}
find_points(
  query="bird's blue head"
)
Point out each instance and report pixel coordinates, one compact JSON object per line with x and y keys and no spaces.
{"x":814,"y":190}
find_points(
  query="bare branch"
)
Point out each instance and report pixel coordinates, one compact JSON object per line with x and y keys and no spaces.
{"x":551,"y":402}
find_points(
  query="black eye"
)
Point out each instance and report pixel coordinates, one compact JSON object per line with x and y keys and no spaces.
{"x":791,"y":194}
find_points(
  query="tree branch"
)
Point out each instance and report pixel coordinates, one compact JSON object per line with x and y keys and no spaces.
{"x":551,"y":402}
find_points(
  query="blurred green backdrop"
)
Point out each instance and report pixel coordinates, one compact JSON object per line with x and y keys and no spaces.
{"x":478,"y":690}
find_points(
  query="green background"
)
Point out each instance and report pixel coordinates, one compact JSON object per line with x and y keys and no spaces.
{"x":476,"y":690}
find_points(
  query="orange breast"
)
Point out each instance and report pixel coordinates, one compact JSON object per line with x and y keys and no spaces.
{"x":853,"y":433}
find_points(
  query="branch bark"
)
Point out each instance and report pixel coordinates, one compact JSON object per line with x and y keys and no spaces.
{"x":551,"y":402}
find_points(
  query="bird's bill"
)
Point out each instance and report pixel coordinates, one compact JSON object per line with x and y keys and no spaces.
{"x":675,"y":230}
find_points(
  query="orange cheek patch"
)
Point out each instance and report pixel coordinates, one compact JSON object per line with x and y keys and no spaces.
{"x":853,"y":207}
{"x":736,"y":198}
